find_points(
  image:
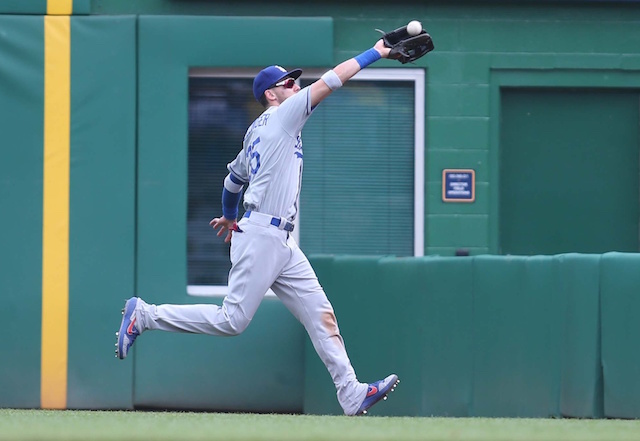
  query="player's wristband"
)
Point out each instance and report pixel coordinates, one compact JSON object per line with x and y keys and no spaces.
{"x":230,"y":204}
{"x":367,"y":57}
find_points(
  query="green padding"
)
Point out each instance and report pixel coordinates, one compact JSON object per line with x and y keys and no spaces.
{"x":81,"y":6}
{"x":102,"y":207}
{"x":21,"y":163}
{"x":361,"y":308}
{"x":168,"y":46}
{"x":579,"y":297}
{"x":319,"y":391}
{"x":435,"y":297}
{"x":495,"y":336}
{"x":419,"y":311}
{"x":258,"y":371}
{"x":424,"y":308}
{"x":488,"y":336}
{"x":402,"y":300}
{"x":620,"y":303}
{"x":516,"y":349}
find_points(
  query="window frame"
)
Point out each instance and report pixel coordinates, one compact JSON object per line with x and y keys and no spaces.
{"x":415,"y":75}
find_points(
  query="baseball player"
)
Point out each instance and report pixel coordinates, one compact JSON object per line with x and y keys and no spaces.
{"x":263,"y":252}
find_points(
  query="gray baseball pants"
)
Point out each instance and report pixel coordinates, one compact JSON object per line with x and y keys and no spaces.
{"x":264,"y":257}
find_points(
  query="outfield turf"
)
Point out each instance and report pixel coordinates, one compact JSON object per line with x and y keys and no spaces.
{"x":20,"y":425}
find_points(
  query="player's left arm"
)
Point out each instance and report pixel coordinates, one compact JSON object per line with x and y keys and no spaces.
{"x":344,"y":71}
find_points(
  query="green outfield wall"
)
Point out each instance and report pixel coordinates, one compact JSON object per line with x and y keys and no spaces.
{"x":21,"y":120}
{"x":511,"y":336}
{"x":100,"y":218}
{"x":93,"y":195}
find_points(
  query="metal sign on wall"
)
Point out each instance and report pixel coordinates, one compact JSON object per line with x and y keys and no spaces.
{"x":458,"y":185}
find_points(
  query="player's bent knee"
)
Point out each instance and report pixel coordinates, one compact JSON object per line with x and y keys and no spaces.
{"x":237,"y":324}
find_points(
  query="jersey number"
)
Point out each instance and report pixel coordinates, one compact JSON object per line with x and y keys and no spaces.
{"x":254,"y":156}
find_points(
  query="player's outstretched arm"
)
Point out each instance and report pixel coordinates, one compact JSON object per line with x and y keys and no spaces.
{"x":344,"y":71}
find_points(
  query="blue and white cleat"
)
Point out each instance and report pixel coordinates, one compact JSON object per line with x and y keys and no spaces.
{"x":128,"y":331}
{"x":378,"y":391}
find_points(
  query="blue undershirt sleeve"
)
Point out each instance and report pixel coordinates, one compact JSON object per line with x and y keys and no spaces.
{"x":230,"y":204}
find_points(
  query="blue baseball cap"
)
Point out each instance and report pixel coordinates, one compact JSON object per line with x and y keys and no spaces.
{"x":269,"y":76}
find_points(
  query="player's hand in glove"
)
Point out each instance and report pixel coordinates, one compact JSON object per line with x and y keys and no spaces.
{"x":382,"y":48}
{"x":406,"y":48}
{"x":225,"y":225}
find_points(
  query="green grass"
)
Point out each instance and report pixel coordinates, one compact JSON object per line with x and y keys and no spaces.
{"x":21,"y":425}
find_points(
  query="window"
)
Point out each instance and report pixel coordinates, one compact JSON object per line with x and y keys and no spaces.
{"x":360,"y":179}
{"x":363,"y":171}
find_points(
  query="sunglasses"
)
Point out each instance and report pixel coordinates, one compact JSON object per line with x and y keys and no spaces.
{"x":288,"y":83}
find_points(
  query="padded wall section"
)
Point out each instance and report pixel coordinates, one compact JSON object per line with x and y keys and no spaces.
{"x":578,"y":293}
{"x":432,"y":299}
{"x":168,"y":46}
{"x":515,"y":337}
{"x":102,"y":207}
{"x":257,"y":371}
{"x":620,"y":274}
{"x":369,"y":321}
{"x":419,"y":310}
{"x":353,"y":286}
{"x":469,"y":336}
{"x":21,"y":166}
{"x":319,"y":391}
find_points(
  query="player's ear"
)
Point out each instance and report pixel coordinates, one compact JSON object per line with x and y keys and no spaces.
{"x":270,"y":95}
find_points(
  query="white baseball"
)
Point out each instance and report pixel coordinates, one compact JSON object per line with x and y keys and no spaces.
{"x":414,"y":27}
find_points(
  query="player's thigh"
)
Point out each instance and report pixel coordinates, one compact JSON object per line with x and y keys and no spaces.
{"x":300,"y":291}
{"x":257,"y":260}
{"x":297,"y":277}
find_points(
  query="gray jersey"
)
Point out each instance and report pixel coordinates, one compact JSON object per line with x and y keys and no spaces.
{"x":271,"y":157}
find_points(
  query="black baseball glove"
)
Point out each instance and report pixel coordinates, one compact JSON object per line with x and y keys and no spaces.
{"x":404,"y":47}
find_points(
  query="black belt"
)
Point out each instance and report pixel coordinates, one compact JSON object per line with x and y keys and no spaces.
{"x":279,"y":222}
